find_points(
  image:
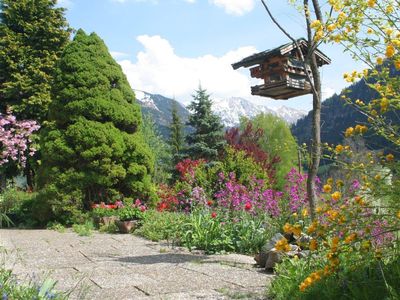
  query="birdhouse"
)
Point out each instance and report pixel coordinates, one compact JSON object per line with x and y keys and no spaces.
{"x":282,"y":70}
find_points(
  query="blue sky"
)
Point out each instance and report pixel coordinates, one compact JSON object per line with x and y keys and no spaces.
{"x":170,"y":46}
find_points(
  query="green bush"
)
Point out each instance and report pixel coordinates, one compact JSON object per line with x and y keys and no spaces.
{"x":92,"y":147}
{"x":17,"y":204}
{"x":157,"y":226}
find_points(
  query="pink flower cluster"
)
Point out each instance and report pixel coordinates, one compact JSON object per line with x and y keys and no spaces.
{"x":120,"y":204}
{"x":15,"y":139}
{"x":235,"y":196}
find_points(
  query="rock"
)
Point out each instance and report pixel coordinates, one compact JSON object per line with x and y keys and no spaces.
{"x":261,"y":259}
{"x":304,"y":239}
{"x":274,"y":257}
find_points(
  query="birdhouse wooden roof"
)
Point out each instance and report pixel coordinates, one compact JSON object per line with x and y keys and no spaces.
{"x":283,"y":50}
{"x":284,"y":74}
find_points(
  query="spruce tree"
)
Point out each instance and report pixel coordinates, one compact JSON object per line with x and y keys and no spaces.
{"x":33,"y":34}
{"x":176,"y":135}
{"x":208,"y":138}
{"x":93,"y":149}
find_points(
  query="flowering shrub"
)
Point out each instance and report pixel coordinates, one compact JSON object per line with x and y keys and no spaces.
{"x":15,"y":139}
{"x":168,"y":198}
{"x":187,"y":167}
{"x":119,"y":208}
{"x":254,"y":198}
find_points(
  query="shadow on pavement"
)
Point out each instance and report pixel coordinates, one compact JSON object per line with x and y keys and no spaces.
{"x":172,"y":258}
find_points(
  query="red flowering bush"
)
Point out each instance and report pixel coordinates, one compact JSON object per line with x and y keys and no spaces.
{"x":187,"y":167}
{"x":169,"y":200}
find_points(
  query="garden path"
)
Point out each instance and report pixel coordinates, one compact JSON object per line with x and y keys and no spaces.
{"x":111,"y":266}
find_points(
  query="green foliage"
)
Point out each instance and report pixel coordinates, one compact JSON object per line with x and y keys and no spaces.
{"x":159,"y":148}
{"x":108,"y":228}
{"x":277,"y":140}
{"x":84,"y":229}
{"x":128,"y":213}
{"x":93,"y":146}
{"x":244,"y":167}
{"x":158,"y":226}
{"x":227,"y":232}
{"x":10,"y":288}
{"x":208,"y":139}
{"x":372,"y":281}
{"x":33,"y":33}
{"x":56,"y":226}
{"x":15,"y":205}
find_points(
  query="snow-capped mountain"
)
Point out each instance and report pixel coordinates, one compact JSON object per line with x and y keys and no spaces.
{"x":232,"y":109}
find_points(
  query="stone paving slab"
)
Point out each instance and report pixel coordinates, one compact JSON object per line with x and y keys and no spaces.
{"x":107,"y":266}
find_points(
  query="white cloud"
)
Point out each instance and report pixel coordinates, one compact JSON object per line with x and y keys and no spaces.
{"x":65,"y":3}
{"x":118,"y":55}
{"x":235,"y":7}
{"x":327,"y":92}
{"x":159,"y":70}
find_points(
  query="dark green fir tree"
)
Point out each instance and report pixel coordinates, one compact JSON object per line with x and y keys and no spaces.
{"x":93,"y":149}
{"x":207,"y":140}
{"x":33,"y":33}
{"x":176,"y":135}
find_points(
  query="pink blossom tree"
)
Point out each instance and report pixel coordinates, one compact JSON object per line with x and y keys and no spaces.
{"x":15,"y":139}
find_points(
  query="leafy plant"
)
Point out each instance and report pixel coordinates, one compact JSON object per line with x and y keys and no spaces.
{"x":158,"y":226}
{"x":56,"y":226}
{"x":83,"y":229}
{"x":128,"y":213}
{"x":11,"y":289}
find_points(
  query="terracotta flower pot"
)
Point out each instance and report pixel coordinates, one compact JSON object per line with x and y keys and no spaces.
{"x":126,"y":226}
{"x":105,"y":220}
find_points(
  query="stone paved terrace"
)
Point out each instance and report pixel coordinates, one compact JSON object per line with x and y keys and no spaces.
{"x":107,"y":266}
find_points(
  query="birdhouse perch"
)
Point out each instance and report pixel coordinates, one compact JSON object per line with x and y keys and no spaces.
{"x":282,"y":70}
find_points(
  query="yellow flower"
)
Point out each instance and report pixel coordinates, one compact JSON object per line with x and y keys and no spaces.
{"x":389,"y":9}
{"x":379,"y":60}
{"x":282,"y":245}
{"x":339,"y":148}
{"x":378,"y":177}
{"x":331,"y":27}
{"x":390,"y":50}
{"x":296,"y":229}
{"x":349,"y":132}
{"x":336,"y":195}
{"x":313,"y":245}
{"x":330,"y":181}
{"x":304,"y":212}
{"x":339,"y":183}
{"x":327,"y":188}
{"x":398,"y":214}
{"x":370,"y":31}
{"x":316,"y":24}
{"x":287,"y":228}
{"x":390,"y":157}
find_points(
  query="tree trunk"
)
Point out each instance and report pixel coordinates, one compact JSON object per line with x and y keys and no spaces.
{"x":316,"y":138}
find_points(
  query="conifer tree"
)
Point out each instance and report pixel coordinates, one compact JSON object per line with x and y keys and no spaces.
{"x":208,"y":138}
{"x":93,"y":149}
{"x":33,"y":34}
{"x":176,"y":135}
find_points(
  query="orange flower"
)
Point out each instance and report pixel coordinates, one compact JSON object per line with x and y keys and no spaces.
{"x":282,"y":245}
{"x":313,"y":245}
{"x":336,"y":195}
{"x":390,"y":157}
